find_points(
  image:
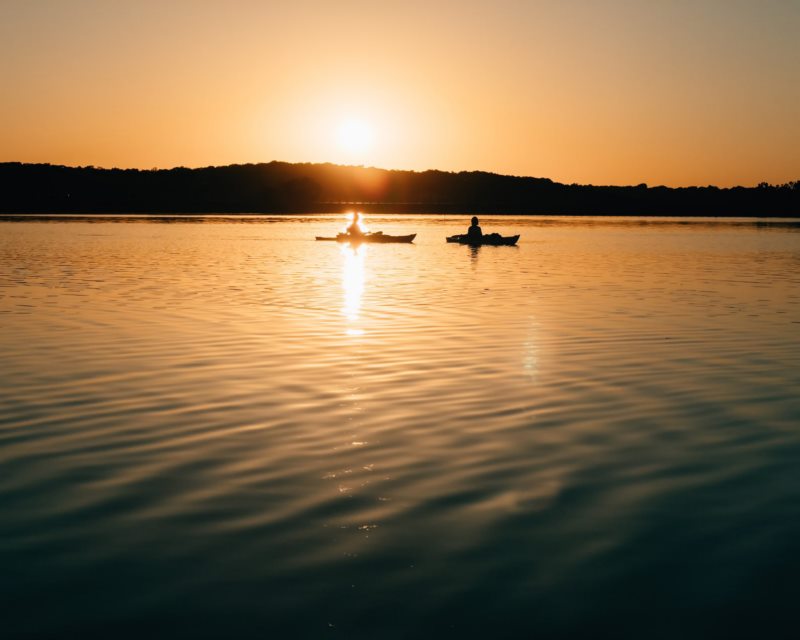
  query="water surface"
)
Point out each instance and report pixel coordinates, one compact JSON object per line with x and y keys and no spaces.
{"x":215,"y":426}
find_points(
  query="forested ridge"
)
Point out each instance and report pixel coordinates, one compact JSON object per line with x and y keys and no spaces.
{"x":281,"y":187}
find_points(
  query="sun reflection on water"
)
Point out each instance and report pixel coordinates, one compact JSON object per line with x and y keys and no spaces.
{"x":353,"y":278}
{"x":530,"y":352}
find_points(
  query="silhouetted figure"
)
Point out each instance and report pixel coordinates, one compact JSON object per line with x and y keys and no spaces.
{"x":355,"y":229}
{"x":474,"y":232}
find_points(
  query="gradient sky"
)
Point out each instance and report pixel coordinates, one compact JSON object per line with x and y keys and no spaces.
{"x":675,"y":92}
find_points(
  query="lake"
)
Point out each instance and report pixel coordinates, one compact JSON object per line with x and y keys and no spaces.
{"x":217,"y":427}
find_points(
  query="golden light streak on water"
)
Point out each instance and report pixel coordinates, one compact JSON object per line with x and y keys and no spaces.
{"x":530,"y":352}
{"x":353,"y":280}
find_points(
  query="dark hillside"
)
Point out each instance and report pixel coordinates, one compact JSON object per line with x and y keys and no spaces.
{"x":279,"y":187}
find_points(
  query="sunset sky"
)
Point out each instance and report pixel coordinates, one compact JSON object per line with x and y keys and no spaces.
{"x":677,"y":92}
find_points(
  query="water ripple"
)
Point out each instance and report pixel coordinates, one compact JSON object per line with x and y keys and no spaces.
{"x":222,"y":420}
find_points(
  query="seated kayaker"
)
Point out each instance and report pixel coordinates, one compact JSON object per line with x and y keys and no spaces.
{"x":355,"y":229}
{"x":474,"y":232}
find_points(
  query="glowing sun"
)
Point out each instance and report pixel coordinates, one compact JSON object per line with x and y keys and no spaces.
{"x":355,"y":136}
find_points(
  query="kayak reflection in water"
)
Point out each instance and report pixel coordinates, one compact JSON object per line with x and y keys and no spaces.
{"x":474,"y":232}
{"x":355,"y":228}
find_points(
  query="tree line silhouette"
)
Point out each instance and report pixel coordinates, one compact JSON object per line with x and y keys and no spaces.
{"x":281,"y":187}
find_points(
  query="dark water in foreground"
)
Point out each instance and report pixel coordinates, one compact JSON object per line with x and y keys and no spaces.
{"x":222,"y":428}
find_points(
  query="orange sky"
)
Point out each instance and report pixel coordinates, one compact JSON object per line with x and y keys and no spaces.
{"x":677,"y":93}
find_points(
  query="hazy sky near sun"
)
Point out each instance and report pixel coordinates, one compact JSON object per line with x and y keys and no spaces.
{"x":672,"y":92}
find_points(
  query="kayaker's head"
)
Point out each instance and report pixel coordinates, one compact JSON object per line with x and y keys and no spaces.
{"x":474,"y":221}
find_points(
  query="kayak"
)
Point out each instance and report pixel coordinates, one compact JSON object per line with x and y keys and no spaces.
{"x":491,"y":239}
{"x":378,"y":237}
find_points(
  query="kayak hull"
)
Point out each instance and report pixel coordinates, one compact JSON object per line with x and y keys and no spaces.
{"x":491,"y":239}
{"x":371,"y":238}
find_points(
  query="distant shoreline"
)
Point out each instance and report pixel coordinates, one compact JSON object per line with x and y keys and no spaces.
{"x":280,"y":188}
{"x":9,"y":216}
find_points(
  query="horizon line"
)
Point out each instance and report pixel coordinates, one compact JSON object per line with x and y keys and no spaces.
{"x":412,"y":171}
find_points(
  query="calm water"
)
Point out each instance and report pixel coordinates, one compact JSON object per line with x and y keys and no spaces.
{"x":219,"y":427}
